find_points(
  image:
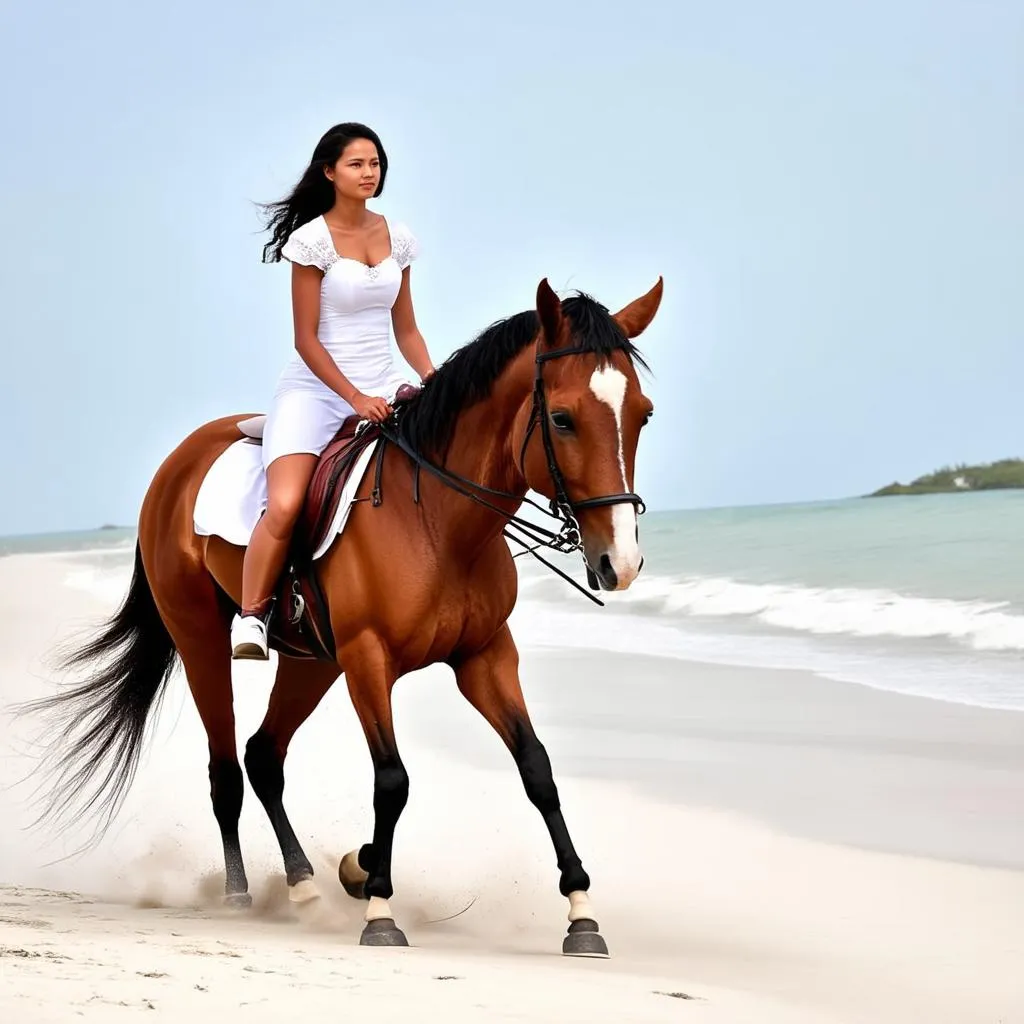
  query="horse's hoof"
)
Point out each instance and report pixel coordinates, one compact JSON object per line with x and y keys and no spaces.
{"x":382,"y":932}
{"x":352,"y":876}
{"x":585,"y":940}
{"x":303,"y":891}
{"x":238,"y":900}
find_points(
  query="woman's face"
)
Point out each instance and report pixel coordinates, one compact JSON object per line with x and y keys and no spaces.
{"x":356,"y":175}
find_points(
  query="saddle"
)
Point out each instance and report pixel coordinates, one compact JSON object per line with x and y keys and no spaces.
{"x":300,"y":625}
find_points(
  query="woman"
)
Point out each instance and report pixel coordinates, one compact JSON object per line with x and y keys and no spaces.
{"x":350,"y":285}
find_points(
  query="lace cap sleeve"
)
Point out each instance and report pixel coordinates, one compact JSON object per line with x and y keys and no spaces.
{"x":310,"y":244}
{"x":404,"y":245}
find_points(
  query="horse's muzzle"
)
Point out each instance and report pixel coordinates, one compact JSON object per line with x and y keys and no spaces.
{"x":604,"y":577}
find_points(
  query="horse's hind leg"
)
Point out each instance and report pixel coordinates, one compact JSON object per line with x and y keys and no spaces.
{"x":298,"y":688}
{"x":204,"y":645}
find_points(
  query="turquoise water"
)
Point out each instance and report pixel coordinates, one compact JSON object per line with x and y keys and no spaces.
{"x":929,"y":566}
{"x":78,"y":540}
{"x":923,"y":595}
{"x":967,"y":547}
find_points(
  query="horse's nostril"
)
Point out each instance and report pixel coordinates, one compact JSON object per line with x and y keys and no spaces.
{"x":609,"y":577}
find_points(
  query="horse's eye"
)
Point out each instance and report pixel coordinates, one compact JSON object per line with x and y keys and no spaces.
{"x":562,"y":421}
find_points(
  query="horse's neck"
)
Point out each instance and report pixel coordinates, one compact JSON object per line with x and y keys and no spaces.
{"x":482,"y":450}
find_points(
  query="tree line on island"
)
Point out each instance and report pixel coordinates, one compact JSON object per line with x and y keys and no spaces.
{"x":991,"y":476}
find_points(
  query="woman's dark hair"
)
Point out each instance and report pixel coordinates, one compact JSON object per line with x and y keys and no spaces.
{"x":314,"y":194}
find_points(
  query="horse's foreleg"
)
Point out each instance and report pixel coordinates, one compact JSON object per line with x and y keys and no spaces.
{"x":298,"y":688}
{"x":489,"y":680}
{"x":370,"y":678}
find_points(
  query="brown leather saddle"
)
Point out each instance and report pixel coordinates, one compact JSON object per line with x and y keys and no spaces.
{"x":300,"y":623}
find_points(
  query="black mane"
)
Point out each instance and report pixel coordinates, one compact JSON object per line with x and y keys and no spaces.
{"x":427,"y":422}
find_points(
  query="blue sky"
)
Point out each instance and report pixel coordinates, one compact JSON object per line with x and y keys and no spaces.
{"x":833,"y":192}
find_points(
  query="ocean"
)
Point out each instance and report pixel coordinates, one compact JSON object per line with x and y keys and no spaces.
{"x":922,"y":595}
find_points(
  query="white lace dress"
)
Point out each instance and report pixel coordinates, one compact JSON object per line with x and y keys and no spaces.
{"x":355,"y":328}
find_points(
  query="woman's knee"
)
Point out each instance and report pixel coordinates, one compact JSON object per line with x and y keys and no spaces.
{"x":284,"y":505}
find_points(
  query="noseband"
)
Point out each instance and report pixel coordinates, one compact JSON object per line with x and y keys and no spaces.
{"x":562,"y":507}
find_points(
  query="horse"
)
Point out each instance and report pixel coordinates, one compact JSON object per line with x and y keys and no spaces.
{"x":548,"y":399}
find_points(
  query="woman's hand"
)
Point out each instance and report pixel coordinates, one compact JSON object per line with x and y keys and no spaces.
{"x":370,"y":408}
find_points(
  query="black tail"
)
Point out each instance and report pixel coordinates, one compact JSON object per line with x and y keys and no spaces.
{"x":100,"y":724}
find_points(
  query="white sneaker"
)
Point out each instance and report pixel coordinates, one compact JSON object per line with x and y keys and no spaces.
{"x":249,"y":639}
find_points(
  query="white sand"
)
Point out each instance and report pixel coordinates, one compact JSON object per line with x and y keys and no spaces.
{"x":755,"y":924}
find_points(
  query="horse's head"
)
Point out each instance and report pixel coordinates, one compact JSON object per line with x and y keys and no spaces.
{"x":589,"y":410}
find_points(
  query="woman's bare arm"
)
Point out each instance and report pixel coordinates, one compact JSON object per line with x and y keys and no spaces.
{"x":407,"y":334}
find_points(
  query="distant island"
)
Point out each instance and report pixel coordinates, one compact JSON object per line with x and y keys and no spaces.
{"x":993,"y":476}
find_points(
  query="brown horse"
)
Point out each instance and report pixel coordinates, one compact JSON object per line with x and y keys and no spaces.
{"x":424,"y":576}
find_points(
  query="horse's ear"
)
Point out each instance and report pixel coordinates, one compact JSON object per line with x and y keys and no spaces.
{"x":635,"y":318}
{"x":549,"y":309}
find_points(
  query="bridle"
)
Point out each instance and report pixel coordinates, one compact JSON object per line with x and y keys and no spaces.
{"x":568,"y":538}
{"x":561,"y":505}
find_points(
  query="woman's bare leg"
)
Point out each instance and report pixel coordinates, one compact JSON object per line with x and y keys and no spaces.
{"x":287,"y":482}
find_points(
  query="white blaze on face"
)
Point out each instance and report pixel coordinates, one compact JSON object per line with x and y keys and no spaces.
{"x":609,"y":385}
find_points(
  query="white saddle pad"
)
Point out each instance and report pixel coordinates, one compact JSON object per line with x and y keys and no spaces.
{"x":233,"y":494}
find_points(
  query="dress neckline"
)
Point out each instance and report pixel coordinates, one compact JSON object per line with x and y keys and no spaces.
{"x":350,"y":259}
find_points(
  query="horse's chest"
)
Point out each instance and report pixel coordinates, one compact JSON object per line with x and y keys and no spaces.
{"x":470,"y":615}
{"x":429,"y":609}
{"x":462,"y":613}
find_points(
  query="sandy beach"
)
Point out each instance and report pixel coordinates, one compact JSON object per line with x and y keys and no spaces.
{"x":765,"y":846}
